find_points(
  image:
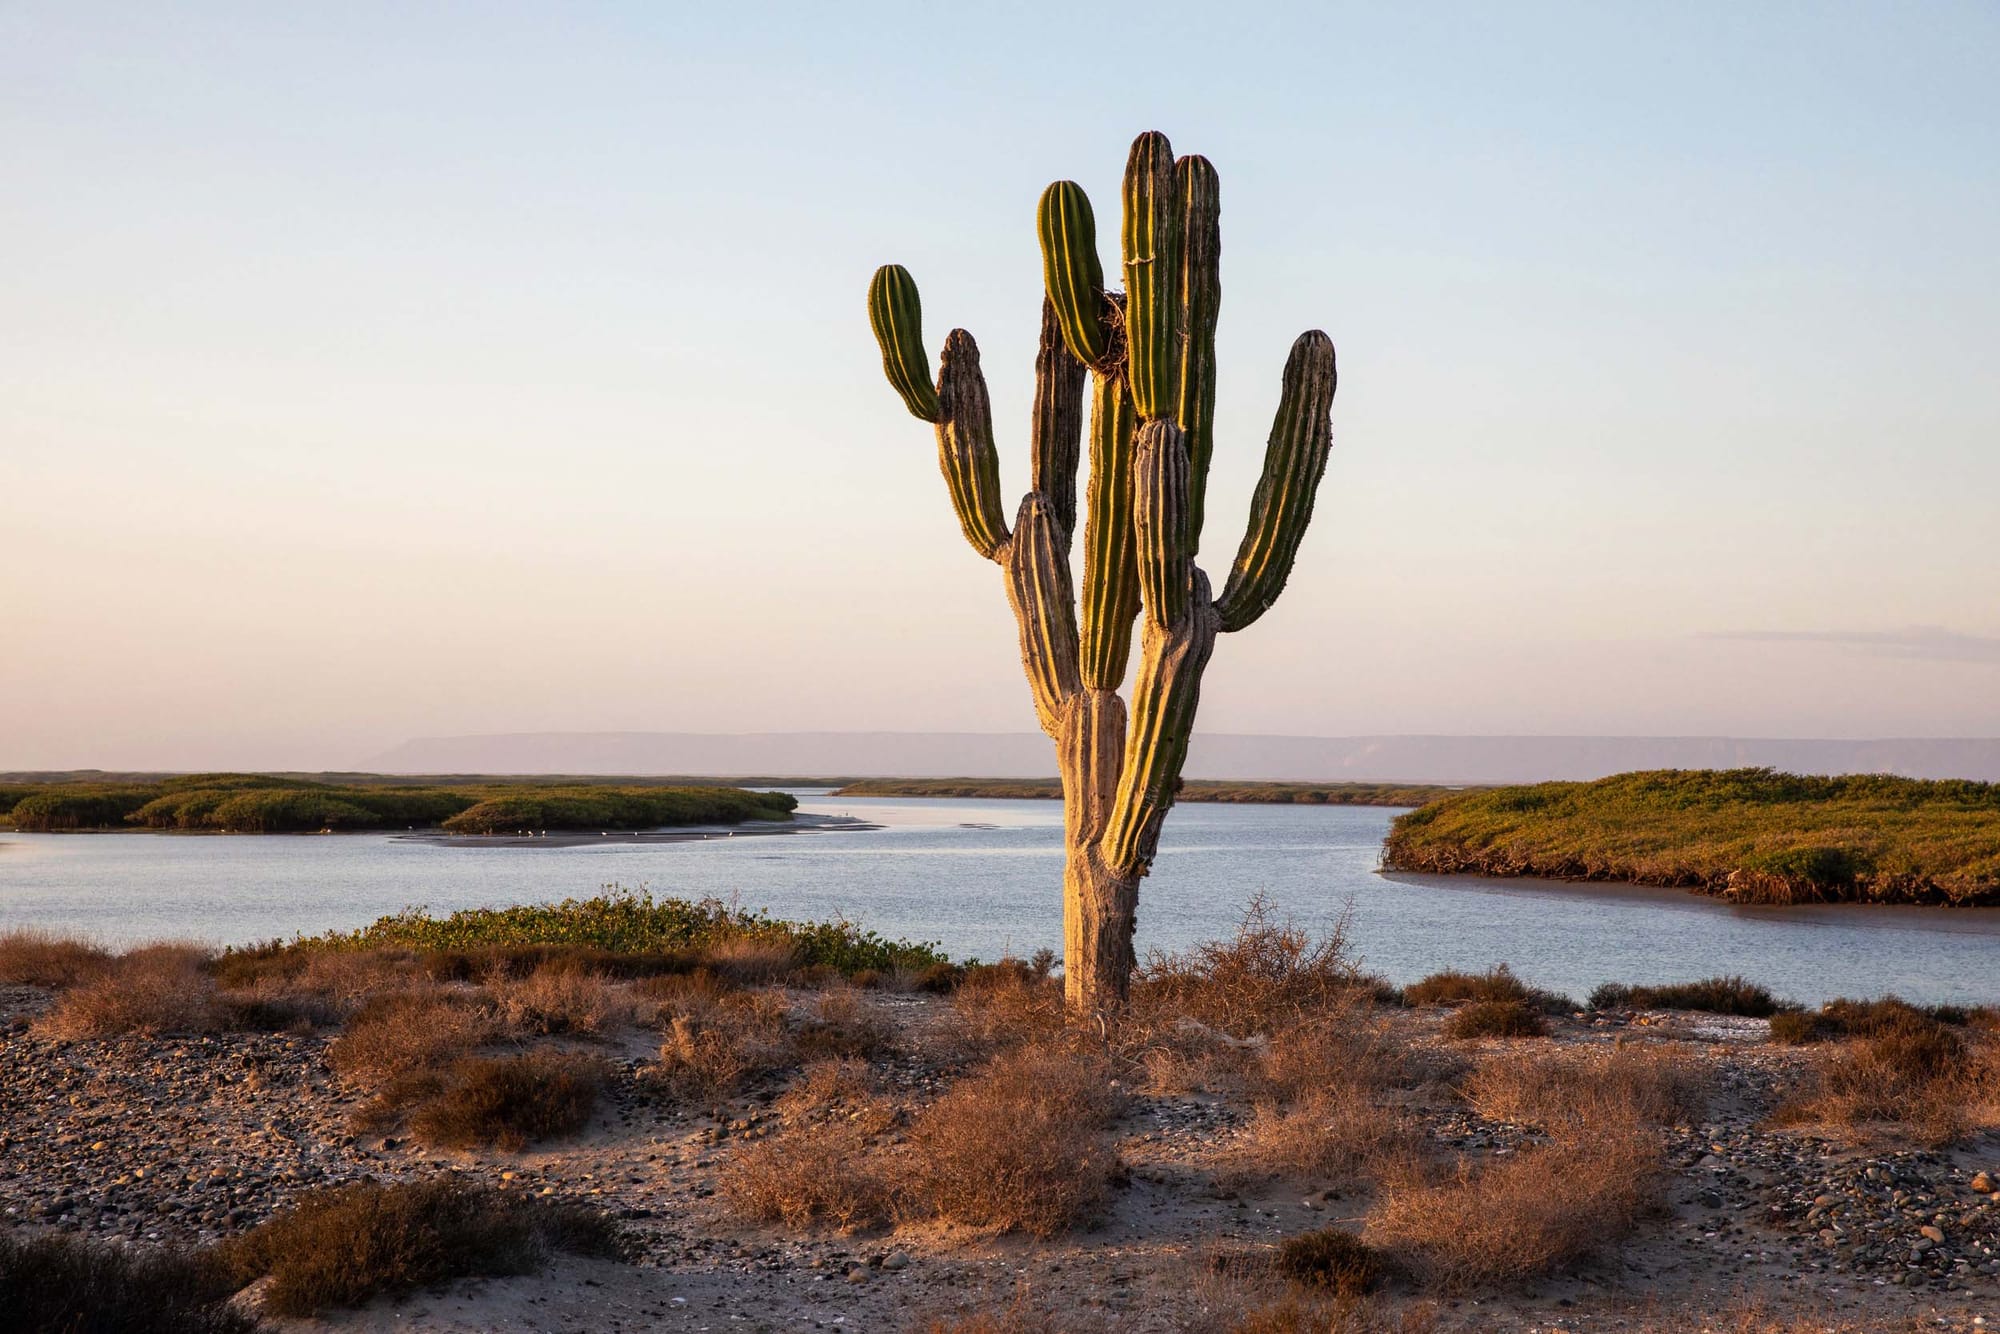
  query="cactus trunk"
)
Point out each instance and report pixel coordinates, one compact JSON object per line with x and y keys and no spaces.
{"x":1149,"y":354}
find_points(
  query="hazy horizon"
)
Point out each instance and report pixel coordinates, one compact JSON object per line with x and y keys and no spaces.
{"x":378,"y":373}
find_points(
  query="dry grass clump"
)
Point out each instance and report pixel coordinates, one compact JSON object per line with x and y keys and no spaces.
{"x":1268,"y":976}
{"x":32,"y":957}
{"x":1328,"y":1258}
{"x":1020,"y":1145}
{"x":153,"y":990}
{"x":842,"y":1023}
{"x":1926,"y":1079}
{"x":343,"y":1245}
{"x":1568,"y":1092}
{"x":1002,"y":1005}
{"x":300,"y":988}
{"x":1495,"y":1019}
{"x":750,"y":961}
{"x":809,"y":1175}
{"x":1521,"y":1216}
{"x":1497,"y":983}
{"x":715,"y":1044}
{"x":1715,"y":995}
{"x":68,"y":1284}
{"x":1318,"y":1111}
{"x":509,"y":1102}
{"x":563,"y":999}
{"x":407,"y":1033}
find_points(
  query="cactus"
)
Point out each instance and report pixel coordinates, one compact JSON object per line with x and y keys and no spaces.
{"x":1149,"y":357}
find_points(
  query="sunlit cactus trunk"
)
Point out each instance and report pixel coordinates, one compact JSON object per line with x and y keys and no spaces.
{"x":1147,"y":357}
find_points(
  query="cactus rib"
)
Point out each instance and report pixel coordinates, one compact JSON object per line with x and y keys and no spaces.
{"x":1199,"y":193}
{"x":1058,"y":430}
{"x":1160,"y":504}
{"x":1152,"y":227}
{"x":966,"y":455}
{"x":1071,"y":271}
{"x":1110,"y":565}
{"x":896,"y":314}
{"x":1295,"y":459}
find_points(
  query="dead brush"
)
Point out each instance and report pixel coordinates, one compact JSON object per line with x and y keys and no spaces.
{"x":1566,"y":1092}
{"x":842,"y":1023}
{"x":712,"y":1049}
{"x":411,"y":1031}
{"x":1521,"y":1216}
{"x":1910,"y":1077}
{"x":1020,"y":1145}
{"x":810,"y":1175}
{"x":998,"y":1006}
{"x":562,"y":999}
{"x":509,"y":1102}
{"x":32,"y":957}
{"x":152,"y":990}
{"x":1318,"y":1103}
{"x":1270,"y":975}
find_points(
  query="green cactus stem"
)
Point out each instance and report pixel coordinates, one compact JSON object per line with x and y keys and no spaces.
{"x":1152,"y":276}
{"x":1149,"y":356}
{"x":1281,"y":507}
{"x":1071,"y":270}
{"x":897,"y":316}
{"x":1201,"y":303}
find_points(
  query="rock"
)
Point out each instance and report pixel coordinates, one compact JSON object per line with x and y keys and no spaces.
{"x":1935,"y":1234}
{"x":895,"y":1260}
{"x":1983,"y":1183}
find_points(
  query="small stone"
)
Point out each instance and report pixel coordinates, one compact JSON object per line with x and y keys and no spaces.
{"x":1983,"y":1183}
{"x":858,"y":1274}
{"x":1934,"y":1234}
{"x":895,"y":1260}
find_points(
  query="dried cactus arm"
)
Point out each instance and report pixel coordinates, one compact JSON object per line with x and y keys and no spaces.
{"x":1058,"y":429}
{"x":1164,"y":699}
{"x":1294,"y":462}
{"x":1151,"y":236}
{"x":1110,"y":560}
{"x":966,"y":455}
{"x":1199,"y":194}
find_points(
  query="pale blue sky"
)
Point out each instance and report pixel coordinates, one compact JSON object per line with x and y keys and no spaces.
{"x":379,"y":370}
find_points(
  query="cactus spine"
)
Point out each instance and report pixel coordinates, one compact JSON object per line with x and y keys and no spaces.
{"x":1149,"y":357}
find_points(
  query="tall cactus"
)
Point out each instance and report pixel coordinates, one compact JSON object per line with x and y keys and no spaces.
{"x":1149,"y":354}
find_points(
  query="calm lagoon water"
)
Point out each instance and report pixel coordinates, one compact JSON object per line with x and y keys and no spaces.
{"x":983,"y":878}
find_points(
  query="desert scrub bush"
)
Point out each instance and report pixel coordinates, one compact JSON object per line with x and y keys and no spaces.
{"x":343,"y":1245}
{"x":713,"y":1046}
{"x":1269,"y":974}
{"x":30,"y":956}
{"x":1002,"y":1005}
{"x":1569,"y":1092}
{"x":1317,"y":1109}
{"x":1019,"y":1145}
{"x":807,"y":1175}
{"x":556,"y":999}
{"x":51,"y":1282}
{"x":1907,"y":1075}
{"x":1497,"y":983}
{"x":1329,"y":1258}
{"x":1715,"y":995}
{"x":1495,"y":1019}
{"x":1522,"y":1216}
{"x":842,"y":1023}
{"x":151,"y":990}
{"x":406,"y":1033}
{"x":509,"y":1102}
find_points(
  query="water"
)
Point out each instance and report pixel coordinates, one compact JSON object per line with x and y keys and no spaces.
{"x":984,"y":878}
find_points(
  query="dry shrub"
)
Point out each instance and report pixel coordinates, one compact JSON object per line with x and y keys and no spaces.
{"x":1328,"y":1258}
{"x":411,"y":1033}
{"x":808,"y":1175}
{"x":30,"y":956}
{"x":561,"y":999}
{"x":751,"y":962}
{"x":1714,"y":995}
{"x":1020,"y":1145}
{"x":1308,"y":1313}
{"x":508,"y":1102}
{"x":343,"y":1245}
{"x":1495,"y":1019}
{"x":842,"y":1024}
{"x":1453,"y":987}
{"x":715,"y":1045}
{"x":825,"y":1085}
{"x":153,"y":990}
{"x":77,"y":1286}
{"x":1317,"y":1110}
{"x":997,"y":1006}
{"x":1926,"y":1079}
{"x":1523,"y":1215}
{"x":1567,"y":1092}
{"x":309,"y":987}
{"x":1269,"y":975}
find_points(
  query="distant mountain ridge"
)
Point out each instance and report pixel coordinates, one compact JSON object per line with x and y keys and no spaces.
{"x":1244,"y":757}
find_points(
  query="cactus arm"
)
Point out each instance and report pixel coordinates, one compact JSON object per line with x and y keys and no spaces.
{"x":1151,"y":235}
{"x":1199,"y":196}
{"x":1160,"y":514}
{"x":1164,"y":699}
{"x":1071,"y":271}
{"x":897,"y":317}
{"x":1058,"y":429}
{"x":1110,"y":564}
{"x":966,"y":455}
{"x":1294,"y":461}
{"x":1038,"y":587}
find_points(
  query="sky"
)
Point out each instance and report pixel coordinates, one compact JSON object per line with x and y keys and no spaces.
{"x":371,"y":371}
